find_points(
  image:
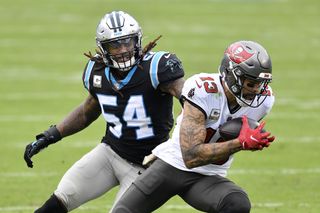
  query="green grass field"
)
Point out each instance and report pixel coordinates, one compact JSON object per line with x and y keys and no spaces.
{"x":41,"y":64}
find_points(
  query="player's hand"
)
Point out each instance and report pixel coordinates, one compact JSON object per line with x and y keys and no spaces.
{"x":254,"y":139}
{"x":33,"y":148}
{"x":50,"y":136}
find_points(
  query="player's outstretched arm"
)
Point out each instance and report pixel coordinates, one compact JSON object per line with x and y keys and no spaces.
{"x":77,"y":120}
{"x":80,"y":117}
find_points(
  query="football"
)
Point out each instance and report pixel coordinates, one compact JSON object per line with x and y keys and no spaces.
{"x":231,"y":129}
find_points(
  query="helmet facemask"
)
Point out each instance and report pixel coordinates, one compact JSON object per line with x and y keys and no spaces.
{"x":239,"y":85}
{"x":121,"y":53}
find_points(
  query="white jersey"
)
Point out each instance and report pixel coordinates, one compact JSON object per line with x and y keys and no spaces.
{"x":205,"y":92}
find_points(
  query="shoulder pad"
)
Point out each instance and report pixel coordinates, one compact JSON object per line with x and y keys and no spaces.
{"x":164,"y":67}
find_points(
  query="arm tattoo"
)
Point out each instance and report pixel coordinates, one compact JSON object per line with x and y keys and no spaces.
{"x":80,"y":117}
{"x":192,"y":137}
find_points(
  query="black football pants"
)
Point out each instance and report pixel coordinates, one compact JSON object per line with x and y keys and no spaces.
{"x":161,"y":181}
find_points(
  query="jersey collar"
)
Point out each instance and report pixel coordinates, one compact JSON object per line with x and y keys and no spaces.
{"x":119,"y":84}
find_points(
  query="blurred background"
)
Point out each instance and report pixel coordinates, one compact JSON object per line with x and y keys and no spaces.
{"x":41,"y":63}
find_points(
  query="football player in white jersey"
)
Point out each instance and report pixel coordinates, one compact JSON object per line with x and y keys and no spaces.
{"x":193,"y":164}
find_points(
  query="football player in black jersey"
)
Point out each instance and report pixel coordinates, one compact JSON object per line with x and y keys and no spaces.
{"x":133,"y":89}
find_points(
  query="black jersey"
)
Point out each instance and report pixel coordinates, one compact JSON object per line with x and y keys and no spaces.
{"x":138,"y":115}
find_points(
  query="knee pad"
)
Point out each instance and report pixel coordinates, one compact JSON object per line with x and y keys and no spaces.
{"x":52,"y":205}
{"x":235,"y":202}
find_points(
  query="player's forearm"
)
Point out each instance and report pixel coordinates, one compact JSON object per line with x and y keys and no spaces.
{"x":73,"y":123}
{"x":79,"y":118}
{"x":203,"y":154}
{"x":197,"y":156}
{"x":196,"y":152}
{"x":222,"y":151}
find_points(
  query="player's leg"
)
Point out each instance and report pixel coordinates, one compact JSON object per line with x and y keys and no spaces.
{"x":217,"y":194}
{"x":125,"y":173}
{"x":150,"y":190}
{"x":52,"y":205}
{"x":87,"y":179}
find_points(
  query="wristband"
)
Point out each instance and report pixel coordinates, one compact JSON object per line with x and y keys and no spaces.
{"x":52,"y":135}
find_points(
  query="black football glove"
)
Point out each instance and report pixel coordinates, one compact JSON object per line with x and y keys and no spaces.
{"x":52,"y":135}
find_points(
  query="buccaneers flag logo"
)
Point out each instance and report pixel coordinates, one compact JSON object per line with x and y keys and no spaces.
{"x":238,"y":53}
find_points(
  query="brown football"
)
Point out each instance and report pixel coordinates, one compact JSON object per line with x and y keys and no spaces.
{"x":231,"y":129}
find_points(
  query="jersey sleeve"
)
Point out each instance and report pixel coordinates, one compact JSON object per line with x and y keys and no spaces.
{"x":87,"y":77}
{"x":194,"y":92}
{"x":165,"y":67}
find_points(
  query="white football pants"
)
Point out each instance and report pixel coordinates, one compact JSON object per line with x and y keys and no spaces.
{"x":94,"y":174}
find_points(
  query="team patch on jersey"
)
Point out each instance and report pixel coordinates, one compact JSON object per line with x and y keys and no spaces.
{"x":214,"y":114}
{"x":173,"y":64}
{"x":97,"y":81}
{"x":191,"y":93}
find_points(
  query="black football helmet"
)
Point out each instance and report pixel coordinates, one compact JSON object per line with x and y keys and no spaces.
{"x":246,"y":60}
{"x":115,"y":29}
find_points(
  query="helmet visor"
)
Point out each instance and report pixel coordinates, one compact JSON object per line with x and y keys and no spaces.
{"x":121,"y":53}
{"x":120,"y":50}
{"x":112,"y":46}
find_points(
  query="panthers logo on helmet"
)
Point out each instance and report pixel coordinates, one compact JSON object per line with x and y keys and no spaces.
{"x":238,"y":53}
